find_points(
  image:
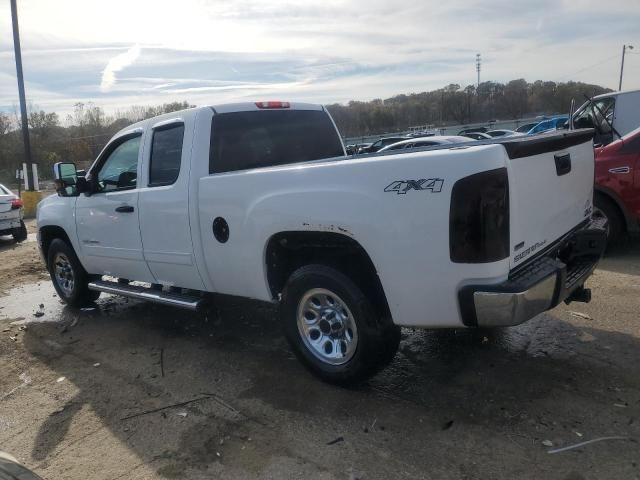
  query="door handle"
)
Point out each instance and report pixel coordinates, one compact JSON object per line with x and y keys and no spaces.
{"x":563,"y":164}
{"x":125,"y":209}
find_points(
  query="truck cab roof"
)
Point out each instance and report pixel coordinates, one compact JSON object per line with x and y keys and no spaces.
{"x":219,"y":109}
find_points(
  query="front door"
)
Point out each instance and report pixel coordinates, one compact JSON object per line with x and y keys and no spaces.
{"x":107,"y":221}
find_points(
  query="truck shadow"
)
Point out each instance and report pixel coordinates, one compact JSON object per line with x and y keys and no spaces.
{"x":253,"y":402}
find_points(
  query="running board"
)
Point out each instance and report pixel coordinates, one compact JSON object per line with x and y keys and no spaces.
{"x":180,"y":300}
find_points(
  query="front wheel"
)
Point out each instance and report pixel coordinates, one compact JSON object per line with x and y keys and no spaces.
{"x":333,"y":328}
{"x":68,"y":276}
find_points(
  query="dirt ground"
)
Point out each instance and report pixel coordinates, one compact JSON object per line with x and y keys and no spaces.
{"x":136,"y":391}
{"x":20,"y":262}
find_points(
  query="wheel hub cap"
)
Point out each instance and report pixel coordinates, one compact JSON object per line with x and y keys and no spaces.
{"x":63,"y":273}
{"x":326,"y":326}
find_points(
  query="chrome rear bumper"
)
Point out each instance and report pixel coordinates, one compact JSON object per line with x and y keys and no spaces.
{"x":537,"y":286}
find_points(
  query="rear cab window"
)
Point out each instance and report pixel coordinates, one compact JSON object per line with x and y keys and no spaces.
{"x":266,"y":138}
{"x":166,"y":154}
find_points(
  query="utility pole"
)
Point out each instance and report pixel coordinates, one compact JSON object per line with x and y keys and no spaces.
{"x":23,"y":104}
{"x":624,"y":48}
{"x":478,"y":65}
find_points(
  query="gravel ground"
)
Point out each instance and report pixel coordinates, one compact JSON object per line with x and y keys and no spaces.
{"x":136,"y":391}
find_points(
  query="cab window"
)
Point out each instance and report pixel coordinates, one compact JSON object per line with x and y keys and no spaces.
{"x":258,"y":139}
{"x":166,"y":154}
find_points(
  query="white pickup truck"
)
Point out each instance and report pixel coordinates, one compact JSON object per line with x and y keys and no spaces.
{"x":259,"y":200}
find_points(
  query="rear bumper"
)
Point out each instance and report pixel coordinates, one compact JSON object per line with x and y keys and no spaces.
{"x":9,"y":221}
{"x":537,"y":286}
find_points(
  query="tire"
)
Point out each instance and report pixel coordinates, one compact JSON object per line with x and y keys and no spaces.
{"x":605,"y":208}
{"x":20,"y":233}
{"x":333,"y":327}
{"x":69,"y":278}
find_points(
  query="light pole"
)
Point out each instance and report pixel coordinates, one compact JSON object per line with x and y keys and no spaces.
{"x":23,"y":105}
{"x":624,"y":49}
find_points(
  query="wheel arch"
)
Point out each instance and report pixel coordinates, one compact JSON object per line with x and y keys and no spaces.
{"x":287,"y":251}
{"x":48,"y":234}
{"x":627,"y":222}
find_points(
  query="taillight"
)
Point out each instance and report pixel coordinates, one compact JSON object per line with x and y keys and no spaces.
{"x":479,"y":218}
{"x":16,"y":203}
{"x":272,"y":104}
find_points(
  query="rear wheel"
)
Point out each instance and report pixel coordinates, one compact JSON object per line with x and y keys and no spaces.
{"x":68,"y":276}
{"x":20,"y":233}
{"x":333,"y":328}
{"x":604,"y":208}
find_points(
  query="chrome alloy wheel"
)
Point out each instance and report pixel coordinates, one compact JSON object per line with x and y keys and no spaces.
{"x":63,"y":273}
{"x":327,"y":327}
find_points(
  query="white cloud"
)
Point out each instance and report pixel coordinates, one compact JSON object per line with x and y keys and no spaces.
{"x":116,"y":64}
{"x":213,"y":51}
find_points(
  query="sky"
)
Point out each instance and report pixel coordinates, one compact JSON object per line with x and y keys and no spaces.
{"x":137,"y":52}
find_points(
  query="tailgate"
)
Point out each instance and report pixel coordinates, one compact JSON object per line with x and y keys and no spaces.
{"x":551,"y":189}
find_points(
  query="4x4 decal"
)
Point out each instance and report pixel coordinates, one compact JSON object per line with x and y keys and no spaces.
{"x":403,"y":186}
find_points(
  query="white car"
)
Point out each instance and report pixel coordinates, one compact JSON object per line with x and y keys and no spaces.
{"x":262,"y":202}
{"x":11,"y":215}
{"x":425,"y":142}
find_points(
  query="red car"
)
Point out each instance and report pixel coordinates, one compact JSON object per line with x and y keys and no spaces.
{"x":617,"y":196}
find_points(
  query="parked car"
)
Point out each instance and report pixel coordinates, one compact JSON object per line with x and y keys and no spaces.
{"x":462,"y":133}
{"x":615,"y":109}
{"x":617,"y":197}
{"x":555,"y":123}
{"x":478,"y":136}
{"x":265,"y":204}
{"x":501,"y":133}
{"x":526,"y":127}
{"x":11,"y":215}
{"x":378,"y":144}
{"x":424,"y":142}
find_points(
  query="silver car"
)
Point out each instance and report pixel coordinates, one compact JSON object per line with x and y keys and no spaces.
{"x":11,"y":215}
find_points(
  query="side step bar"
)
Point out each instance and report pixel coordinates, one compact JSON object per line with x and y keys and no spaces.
{"x":180,"y":300}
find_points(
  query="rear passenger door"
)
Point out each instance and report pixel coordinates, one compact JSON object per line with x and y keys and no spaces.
{"x":164,"y":204}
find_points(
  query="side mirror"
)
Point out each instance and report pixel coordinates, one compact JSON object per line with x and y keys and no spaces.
{"x":66,"y":178}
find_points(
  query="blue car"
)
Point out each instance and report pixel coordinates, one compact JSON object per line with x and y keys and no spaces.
{"x":552,"y":124}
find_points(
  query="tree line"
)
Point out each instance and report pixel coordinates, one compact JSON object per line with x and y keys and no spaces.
{"x":453,"y":105}
{"x":78,"y":138}
{"x":81,"y":135}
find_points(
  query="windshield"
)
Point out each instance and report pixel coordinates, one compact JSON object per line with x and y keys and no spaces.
{"x":596,"y":114}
